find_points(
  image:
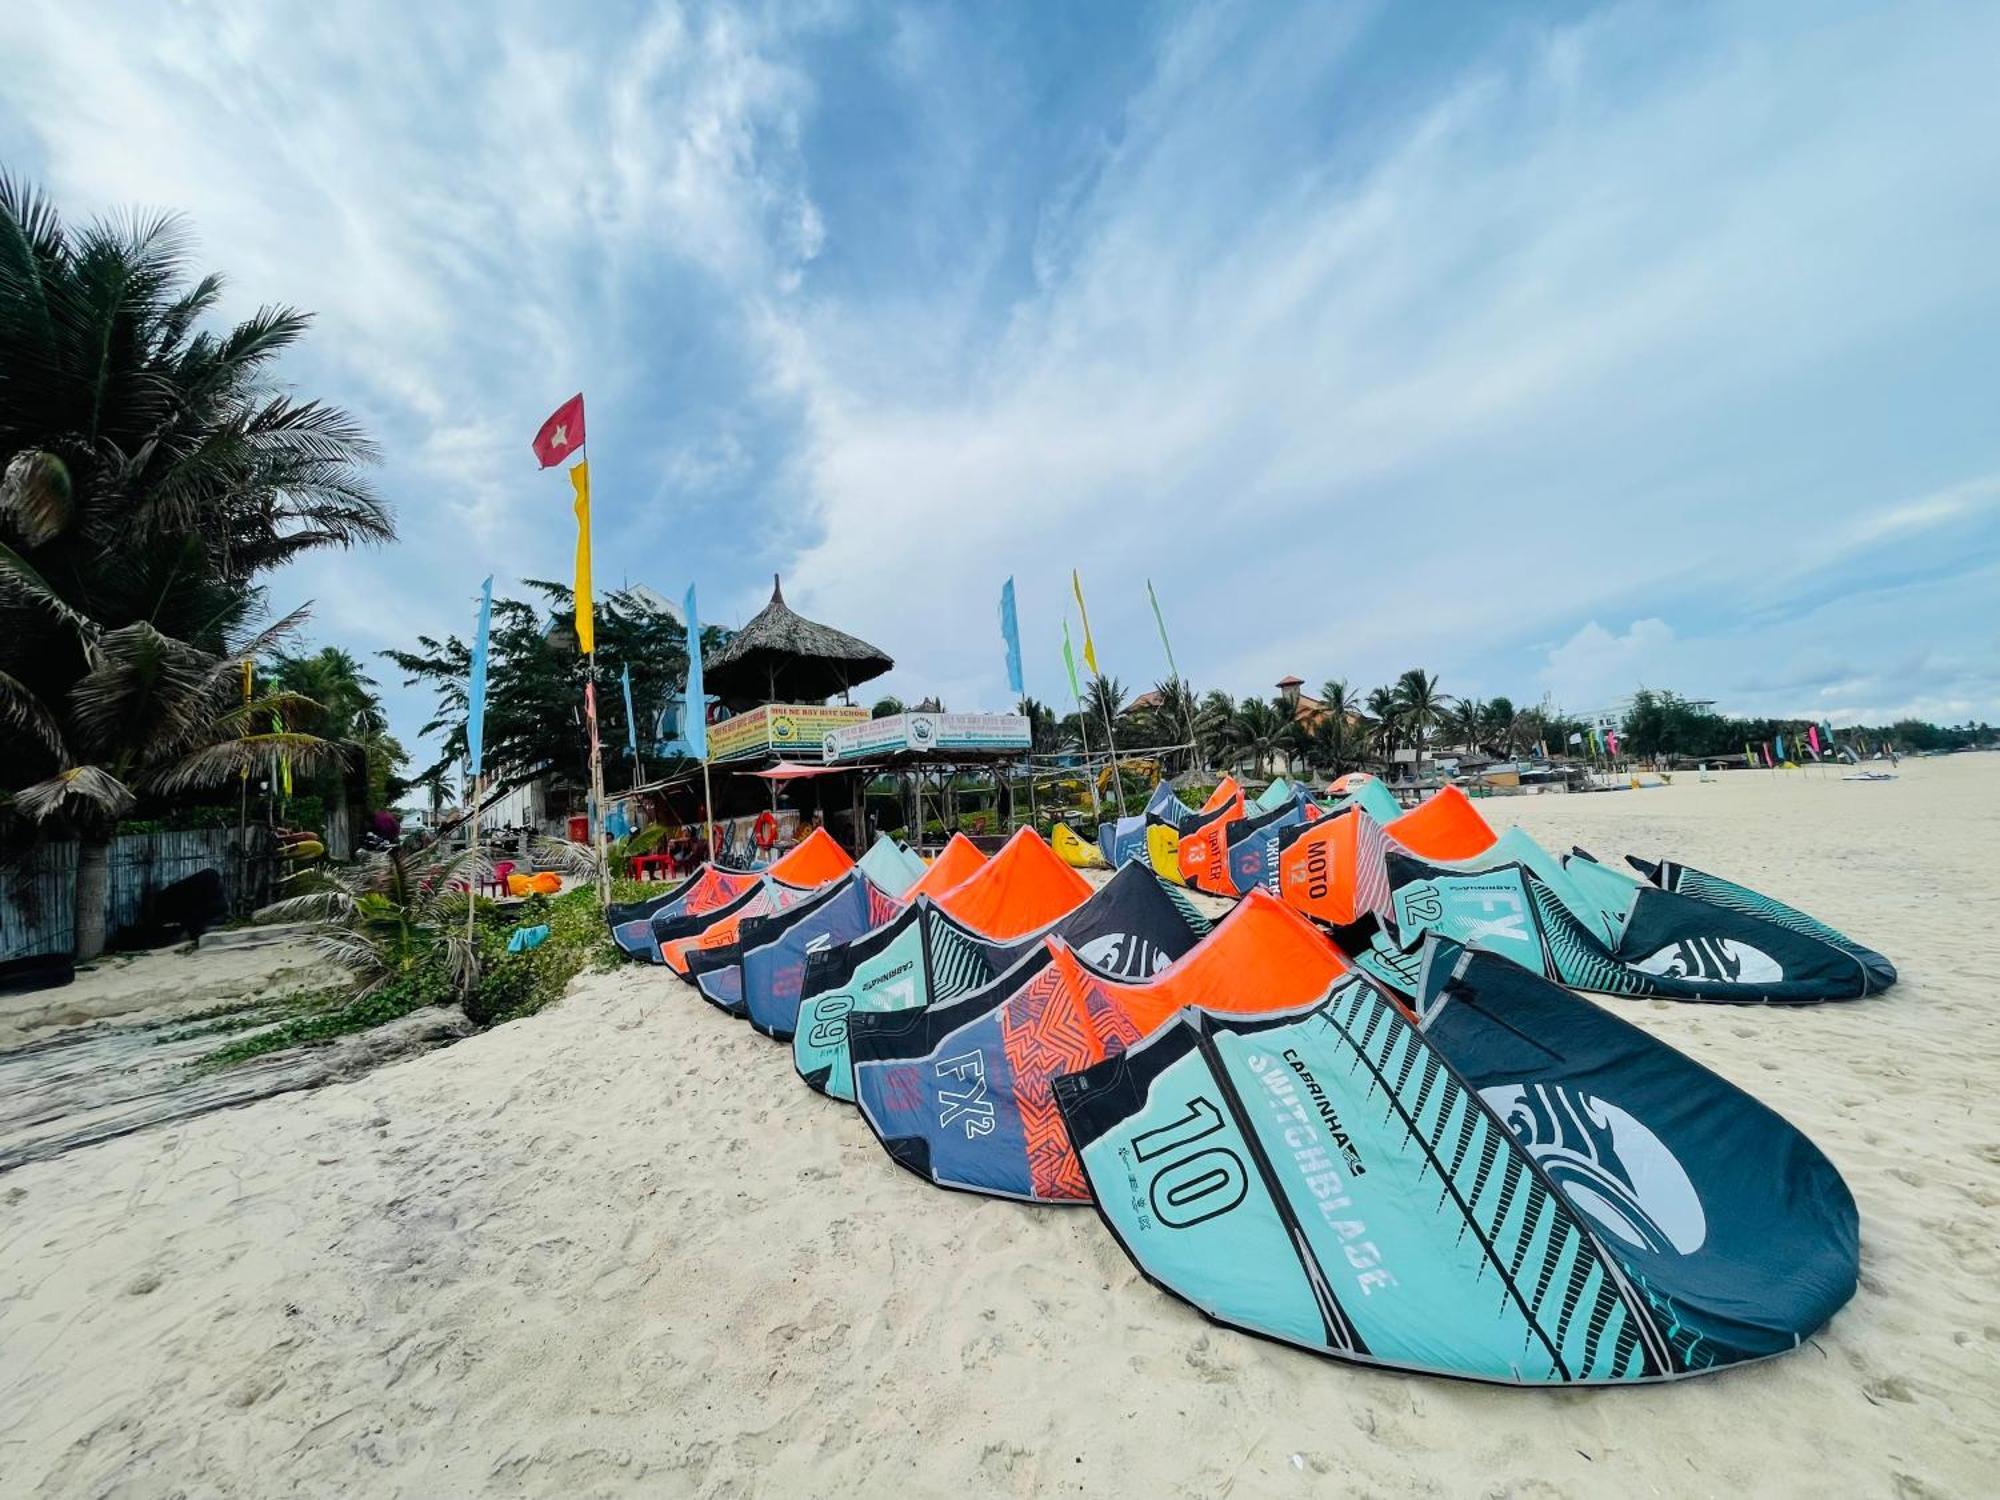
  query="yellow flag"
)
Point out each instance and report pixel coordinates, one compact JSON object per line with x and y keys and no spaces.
{"x":1089,"y":649}
{"x":586,"y":634}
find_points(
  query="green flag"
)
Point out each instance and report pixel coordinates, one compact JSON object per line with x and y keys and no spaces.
{"x":1069,"y":661}
{"x":1160,"y":620}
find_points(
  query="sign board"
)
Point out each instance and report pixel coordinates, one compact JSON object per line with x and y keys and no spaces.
{"x":943,"y":735}
{"x":781,"y":728}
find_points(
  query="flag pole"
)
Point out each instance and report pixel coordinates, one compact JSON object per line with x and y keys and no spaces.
{"x":597,"y":790}
{"x":1174,"y":676}
{"x":1082,"y":721}
{"x":472,"y":866}
{"x":590,"y":702}
{"x":708,"y":806}
{"x":1090,"y":660}
{"x":475,"y":766}
{"x":1089,"y":775}
{"x":1111,"y":740}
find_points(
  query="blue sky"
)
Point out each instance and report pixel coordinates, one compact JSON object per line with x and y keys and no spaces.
{"x":1554,"y":348}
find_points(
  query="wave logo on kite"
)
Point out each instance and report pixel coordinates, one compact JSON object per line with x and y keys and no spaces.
{"x":1607,"y":1163}
{"x":1724,"y":959}
{"x":1124,"y":955}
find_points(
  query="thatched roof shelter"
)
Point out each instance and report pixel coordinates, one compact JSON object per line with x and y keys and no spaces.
{"x":781,"y":657}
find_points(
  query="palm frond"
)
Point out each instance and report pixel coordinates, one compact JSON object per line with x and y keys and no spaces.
{"x":565,"y":858}
{"x":213,"y":765}
{"x":145,"y":690}
{"x":20,"y":707}
{"x":35,"y":494}
{"x":18,"y":577}
{"x":267,"y":639}
{"x":87,"y":791}
{"x":313,"y":906}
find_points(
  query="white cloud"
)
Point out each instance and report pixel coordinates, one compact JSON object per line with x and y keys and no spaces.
{"x":1613,"y":336}
{"x":1388,"y":406}
{"x":1593,"y":668}
{"x":476,"y":204}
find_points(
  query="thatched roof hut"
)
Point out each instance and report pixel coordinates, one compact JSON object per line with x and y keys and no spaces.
{"x":781,"y":657}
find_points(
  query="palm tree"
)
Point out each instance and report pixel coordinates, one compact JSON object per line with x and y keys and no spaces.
{"x":346,"y":711}
{"x":1337,"y":742}
{"x":1501,"y":725}
{"x":387,"y":916}
{"x":149,"y":471}
{"x":1420,"y":707}
{"x":1260,"y":731}
{"x":1105,"y":700}
{"x":1175,"y":719}
{"x":1213,"y":727}
{"x":152,"y":716}
{"x":886,"y":708}
{"x":1043,"y":736}
{"x":152,"y":470}
{"x":1385,"y":733}
{"x":1464,"y":721}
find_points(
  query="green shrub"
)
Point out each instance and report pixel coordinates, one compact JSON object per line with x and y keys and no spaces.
{"x":510,"y":984}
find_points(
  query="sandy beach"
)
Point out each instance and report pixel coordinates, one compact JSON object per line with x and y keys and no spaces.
{"x":617,"y":1248}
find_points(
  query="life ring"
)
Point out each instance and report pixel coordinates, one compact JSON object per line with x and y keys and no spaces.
{"x":764,"y":832}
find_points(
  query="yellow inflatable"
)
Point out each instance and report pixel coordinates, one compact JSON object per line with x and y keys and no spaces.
{"x":1163,"y":852}
{"x":544,"y":883}
{"x":1070,"y":846}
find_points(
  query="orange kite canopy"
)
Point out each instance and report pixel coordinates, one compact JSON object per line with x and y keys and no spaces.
{"x":1203,"y":854}
{"x":1226,"y":791}
{"x":1336,"y":869}
{"x":1446,"y":827}
{"x":957,"y":863}
{"x":713,"y":887}
{"x":815,"y":861}
{"x":1262,"y":957}
{"x":1024,"y":887}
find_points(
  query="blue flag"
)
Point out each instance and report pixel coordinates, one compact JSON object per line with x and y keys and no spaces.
{"x":1010,"y":632}
{"x":631,"y":723}
{"x":475,"y":692}
{"x":694,"y":715}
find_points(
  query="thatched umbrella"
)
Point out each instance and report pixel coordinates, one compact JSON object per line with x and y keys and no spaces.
{"x":780,"y":657}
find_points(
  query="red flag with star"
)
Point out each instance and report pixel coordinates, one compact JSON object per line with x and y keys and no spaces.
{"x":562,"y":434}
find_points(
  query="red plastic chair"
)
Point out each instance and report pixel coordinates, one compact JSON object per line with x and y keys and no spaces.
{"x":498,"y":877}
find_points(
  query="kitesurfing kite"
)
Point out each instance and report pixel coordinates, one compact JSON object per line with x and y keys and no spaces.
{"x":1121,"y":839}
{"x":1440,"y":869}
{"x":887,"y":867}
{"x":958,"y":1092}
{"x":1514,"y":1187}
{"x":1074,"y":851}
{"x":816,"y":860}
{"x":631,"y":921}
{"x":1132,"y":927}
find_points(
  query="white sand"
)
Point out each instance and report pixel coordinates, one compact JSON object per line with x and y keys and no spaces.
{"x":618,"y":1249}
{"x":229,"y":968}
